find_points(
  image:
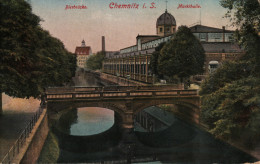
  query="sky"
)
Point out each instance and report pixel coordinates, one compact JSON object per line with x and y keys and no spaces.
{"x":119,"y":26}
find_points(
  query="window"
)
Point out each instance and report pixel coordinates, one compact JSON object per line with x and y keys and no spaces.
{"x":160,"y":29}
{"x":215,"y":37}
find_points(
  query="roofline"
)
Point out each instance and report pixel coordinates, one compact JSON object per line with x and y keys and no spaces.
{"x":159,"y":38}
{"x":84,"y":47}
{"x":127,"y":47}
{"x":212,"y":27}
{"x":147,"y":36}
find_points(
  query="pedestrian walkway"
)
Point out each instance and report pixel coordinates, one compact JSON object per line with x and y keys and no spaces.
{"x":16,"y":115}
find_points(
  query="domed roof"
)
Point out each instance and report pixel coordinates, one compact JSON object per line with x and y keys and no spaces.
{"x":166,"y":19}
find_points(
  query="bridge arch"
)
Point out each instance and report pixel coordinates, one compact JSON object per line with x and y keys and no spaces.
{"x":183,"y":106}
{"x":108,"y":105}
{"x":56,"y":109}
{"x":155,"y":103}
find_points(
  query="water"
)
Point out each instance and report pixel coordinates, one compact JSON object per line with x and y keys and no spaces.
{"x":92,"y":120}
{"x":92,"y":135}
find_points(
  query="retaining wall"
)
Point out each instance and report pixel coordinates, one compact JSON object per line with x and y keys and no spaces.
{"x":34,"y":143}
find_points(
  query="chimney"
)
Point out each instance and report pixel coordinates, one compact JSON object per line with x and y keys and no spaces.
{"x":223,"y":27}
{"x":103,"y":44}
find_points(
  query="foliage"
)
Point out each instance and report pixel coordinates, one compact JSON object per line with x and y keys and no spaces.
{"x":228,"y":72}
{"x":243,"y":12}
{"x":154,"y":59}
{"x":228,"y":110}
{"x":182,"y":56}
{"x":231,"y":95}
{"x":31,"y":59}
{"x":94,"y":62}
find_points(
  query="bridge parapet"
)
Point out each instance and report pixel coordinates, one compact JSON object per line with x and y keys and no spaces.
{"x":111,"y":88}
{"x":120,"y":94}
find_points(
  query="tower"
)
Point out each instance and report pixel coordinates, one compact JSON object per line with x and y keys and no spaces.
{"x":83,"y":43}
{"x":103,"y":44}
{"x":166,"y":24}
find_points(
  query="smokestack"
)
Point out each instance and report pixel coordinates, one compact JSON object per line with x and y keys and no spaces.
{"x":103,"y":44}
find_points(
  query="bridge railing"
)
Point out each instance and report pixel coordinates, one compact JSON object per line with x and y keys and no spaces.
{"x":120,"y":94}
{"x":19,"y":143}
{"x":111,"y":88}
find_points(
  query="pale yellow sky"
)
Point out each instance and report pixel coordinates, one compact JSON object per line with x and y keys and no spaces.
{"x":119,"y":26}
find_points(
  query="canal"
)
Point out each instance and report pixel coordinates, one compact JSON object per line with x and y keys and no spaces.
{"x":91,"y":134}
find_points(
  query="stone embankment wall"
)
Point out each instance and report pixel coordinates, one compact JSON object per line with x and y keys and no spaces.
{"x":34,"y":143}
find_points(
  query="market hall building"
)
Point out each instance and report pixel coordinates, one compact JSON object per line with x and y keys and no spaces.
{"x":133,"y":62}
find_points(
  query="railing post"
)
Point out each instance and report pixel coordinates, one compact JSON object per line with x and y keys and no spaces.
{"x":13,"y":150}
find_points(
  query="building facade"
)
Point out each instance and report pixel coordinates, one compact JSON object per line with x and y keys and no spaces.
{"x":82,"y":52}
{"x":134,"y":62}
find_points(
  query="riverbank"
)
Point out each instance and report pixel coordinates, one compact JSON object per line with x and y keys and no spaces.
{"x":17,"y":113}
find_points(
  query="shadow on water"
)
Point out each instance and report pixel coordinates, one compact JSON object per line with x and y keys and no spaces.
{"x":180,"y":143}
{"x":178,"y":133}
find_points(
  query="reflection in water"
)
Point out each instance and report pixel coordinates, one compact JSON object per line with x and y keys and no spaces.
{"x":153,"y":119}
{"x":92,"y":120}
{"x":180,"y":143}
{"x":83,"y":79}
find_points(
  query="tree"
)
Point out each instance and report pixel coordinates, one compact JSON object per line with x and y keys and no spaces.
{"x":94,"y":62}
{"x":231,"y":95}
{"x":183,"y":56}
{"x":154,"y":59}
{"x":245,"y":14}
{"x":31,"y":59}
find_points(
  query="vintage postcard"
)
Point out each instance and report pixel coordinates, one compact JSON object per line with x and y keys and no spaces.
{"x":130,"y":81}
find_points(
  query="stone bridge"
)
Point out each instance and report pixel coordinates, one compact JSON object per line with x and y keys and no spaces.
{"x":126,"y":101}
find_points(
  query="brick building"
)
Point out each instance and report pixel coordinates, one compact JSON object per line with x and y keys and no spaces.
{"x":82,"y":52}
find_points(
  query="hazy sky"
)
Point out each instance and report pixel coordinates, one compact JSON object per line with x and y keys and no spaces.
{"x":119,"y":26}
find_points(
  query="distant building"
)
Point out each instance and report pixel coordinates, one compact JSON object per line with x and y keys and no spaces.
{"x":134,"y":61}
{"x":82,"y":52}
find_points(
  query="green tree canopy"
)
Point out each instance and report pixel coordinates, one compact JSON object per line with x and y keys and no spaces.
{"x":243,"y":12}
{"x":94,"y":62}
{"x":154,"y":59}
{"x":31,"y":59}
{"x":183,"y":56}
{"x":231,"y":95}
